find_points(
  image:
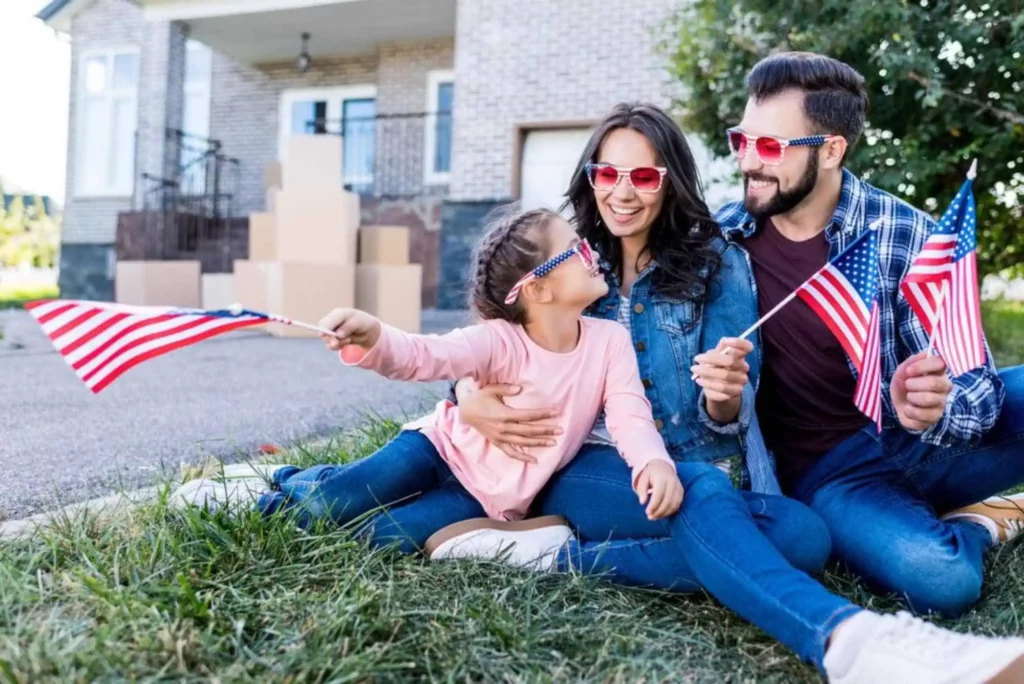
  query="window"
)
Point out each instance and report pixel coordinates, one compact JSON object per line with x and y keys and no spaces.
{"x":107,"y":115}
{"x":195,"y":117}
{"x":437,"y":155}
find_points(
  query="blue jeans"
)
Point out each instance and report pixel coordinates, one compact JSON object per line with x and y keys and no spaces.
{"x":881,"y":497}
{"x":406,"y":475}
{"x":738,"y":546}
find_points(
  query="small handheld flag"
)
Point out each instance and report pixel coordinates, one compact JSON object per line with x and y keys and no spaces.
{"x":844,"y":295}
{"x":942,"y":285}
{"x":101,"y":341}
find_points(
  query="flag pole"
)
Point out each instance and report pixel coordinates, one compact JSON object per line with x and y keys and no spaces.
{"x":238,"y":310}
{"x":972,"y":173}
{"x":792,"y":295}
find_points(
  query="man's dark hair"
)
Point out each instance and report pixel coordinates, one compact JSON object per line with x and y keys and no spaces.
{"x":834,"y":96}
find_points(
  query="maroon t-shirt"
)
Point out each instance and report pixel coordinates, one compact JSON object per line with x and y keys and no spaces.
{"x":805,"y":399}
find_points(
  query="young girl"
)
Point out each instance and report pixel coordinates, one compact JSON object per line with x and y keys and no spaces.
{"x":533,"y":279}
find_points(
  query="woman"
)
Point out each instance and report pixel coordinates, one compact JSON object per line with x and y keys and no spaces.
{"x":637,"y":198}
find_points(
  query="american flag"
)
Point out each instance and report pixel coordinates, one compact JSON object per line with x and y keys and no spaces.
{"x":843,"y":294}
{"x":101,"y":341}
{"x":942,"y":285}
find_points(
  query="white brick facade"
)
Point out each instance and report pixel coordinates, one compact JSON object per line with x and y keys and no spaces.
{"x":244,"y":109}
{"x":522,"y":61}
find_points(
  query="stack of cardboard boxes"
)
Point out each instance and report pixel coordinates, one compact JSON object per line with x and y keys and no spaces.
{"x":387,"y":285}
{"x":302,"y":251}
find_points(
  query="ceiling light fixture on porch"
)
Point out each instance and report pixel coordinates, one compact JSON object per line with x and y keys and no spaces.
{"x":304,"y":61}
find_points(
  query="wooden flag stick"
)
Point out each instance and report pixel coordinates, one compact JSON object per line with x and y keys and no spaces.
{"x":972,"y":173}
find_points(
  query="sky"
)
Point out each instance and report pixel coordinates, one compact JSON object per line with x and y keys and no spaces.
{"x":34,"y":73}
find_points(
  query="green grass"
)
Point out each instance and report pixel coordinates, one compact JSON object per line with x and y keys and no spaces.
{"x":156,"y":594}
{"x":14,"y":295}
{"x":1004,"y":328}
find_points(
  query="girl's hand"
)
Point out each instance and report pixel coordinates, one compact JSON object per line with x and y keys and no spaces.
{"x":722,"y":371}
{"x":659,"y":482}
{"x":350,"y":326}
{"x":510,"y":429}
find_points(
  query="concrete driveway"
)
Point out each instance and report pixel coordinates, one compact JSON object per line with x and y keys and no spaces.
{"x":61,"y":444}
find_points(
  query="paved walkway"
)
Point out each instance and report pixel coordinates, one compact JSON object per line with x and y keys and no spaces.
{"x":61,"y":444}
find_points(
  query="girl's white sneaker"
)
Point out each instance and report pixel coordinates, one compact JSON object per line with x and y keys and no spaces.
{"x":532,"y":544}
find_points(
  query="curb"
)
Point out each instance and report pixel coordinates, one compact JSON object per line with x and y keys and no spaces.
{"x":20,"y":529}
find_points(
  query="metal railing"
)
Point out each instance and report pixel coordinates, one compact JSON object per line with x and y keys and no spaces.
{"x":188,"y":214}
{"x":392,"y":155}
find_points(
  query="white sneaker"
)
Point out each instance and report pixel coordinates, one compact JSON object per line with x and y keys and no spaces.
{"x":237,"y":487}
{"x":531,"y":544}
{"x":1002,"y":516}
{"x":906,"y":650}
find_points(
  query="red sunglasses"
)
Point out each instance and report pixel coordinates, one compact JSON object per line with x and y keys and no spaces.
{"x":581,"y":248}
{"x":642,"y":178}
{"x":769,"y":148}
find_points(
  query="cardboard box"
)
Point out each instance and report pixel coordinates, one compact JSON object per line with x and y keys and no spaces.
{"x":218,"y":290}
{"x":312,"y":162}
{"x":158,"y":283}
{"x":297,"y":290}
{"x":384,"y":245}
{"x":272,"y":175}
{"x":317,"y":226}
{"x":391,"y":293}
{"x":262,"y":237}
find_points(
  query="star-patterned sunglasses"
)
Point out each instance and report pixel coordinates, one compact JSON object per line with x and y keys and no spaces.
{"x":581,"y":248}
{"x":769,"y":148}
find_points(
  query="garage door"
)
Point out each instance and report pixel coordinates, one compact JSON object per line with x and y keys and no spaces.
{"x":549,"y":160}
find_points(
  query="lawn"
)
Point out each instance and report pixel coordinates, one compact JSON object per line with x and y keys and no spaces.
{"x":158,"y":594}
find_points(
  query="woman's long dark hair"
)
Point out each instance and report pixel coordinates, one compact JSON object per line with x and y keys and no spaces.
{"x":681,"y":235}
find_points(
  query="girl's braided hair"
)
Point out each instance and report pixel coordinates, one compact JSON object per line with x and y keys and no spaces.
{"x":514,"y":244}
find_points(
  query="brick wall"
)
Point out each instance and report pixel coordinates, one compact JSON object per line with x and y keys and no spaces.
{"x":119,"y":23}
{"x":522,"y":61}
{"x":106,"y":23}
{"x":244,"y":110}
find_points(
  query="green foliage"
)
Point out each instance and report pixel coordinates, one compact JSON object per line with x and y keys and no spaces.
{"x":945,"y":80}
{"x":28,"y":235}
{"x":15,"y":294}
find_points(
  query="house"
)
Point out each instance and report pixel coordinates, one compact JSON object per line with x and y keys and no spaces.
{"x":447,"y":107}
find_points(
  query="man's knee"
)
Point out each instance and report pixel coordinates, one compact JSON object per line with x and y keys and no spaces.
{"x":949,"y":588}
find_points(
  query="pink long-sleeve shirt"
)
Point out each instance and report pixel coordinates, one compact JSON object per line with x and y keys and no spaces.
{"x":601,"y":372}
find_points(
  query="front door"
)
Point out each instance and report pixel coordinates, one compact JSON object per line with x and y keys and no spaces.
{"x":349,"y":111}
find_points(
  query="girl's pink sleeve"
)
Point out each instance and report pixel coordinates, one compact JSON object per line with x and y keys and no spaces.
{"x":627,"y":411}
{"x":398,"y":355}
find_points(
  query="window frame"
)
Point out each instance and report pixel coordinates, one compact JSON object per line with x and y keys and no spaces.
{"x":85,"y":185}
{"x":435,"y":79}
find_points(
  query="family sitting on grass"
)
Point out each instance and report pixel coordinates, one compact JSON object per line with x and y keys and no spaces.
{"x":605,"y":380}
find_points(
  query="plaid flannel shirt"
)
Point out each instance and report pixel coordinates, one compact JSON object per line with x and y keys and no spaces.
{"x":977,"y":397}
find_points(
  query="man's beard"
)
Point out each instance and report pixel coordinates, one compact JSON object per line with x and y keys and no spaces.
{"x":781,"y":202}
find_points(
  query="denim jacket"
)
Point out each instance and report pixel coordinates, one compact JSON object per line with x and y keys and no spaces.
{"x":667,"y":334}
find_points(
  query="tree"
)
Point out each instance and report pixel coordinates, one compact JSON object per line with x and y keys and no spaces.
{"x":945,"y":81}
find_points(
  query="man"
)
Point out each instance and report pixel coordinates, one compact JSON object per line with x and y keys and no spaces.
{"x":890,"y":500}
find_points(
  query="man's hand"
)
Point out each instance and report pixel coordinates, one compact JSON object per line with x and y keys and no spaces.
{"x":350,"y":326}
{"x":919,"y":391}
{"x":659,"y":482}
{"x":510,"y":429}
{"x":722,"y":372}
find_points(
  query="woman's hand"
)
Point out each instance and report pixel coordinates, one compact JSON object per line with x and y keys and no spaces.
{"x":350,"y":326}
{"x":722,"y":373}
{"x":659,"y":482}
{"x":510,"y":429}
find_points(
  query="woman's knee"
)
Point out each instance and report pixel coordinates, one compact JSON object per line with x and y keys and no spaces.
{"x":802,"y":537}
{"x":703,"y":481}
